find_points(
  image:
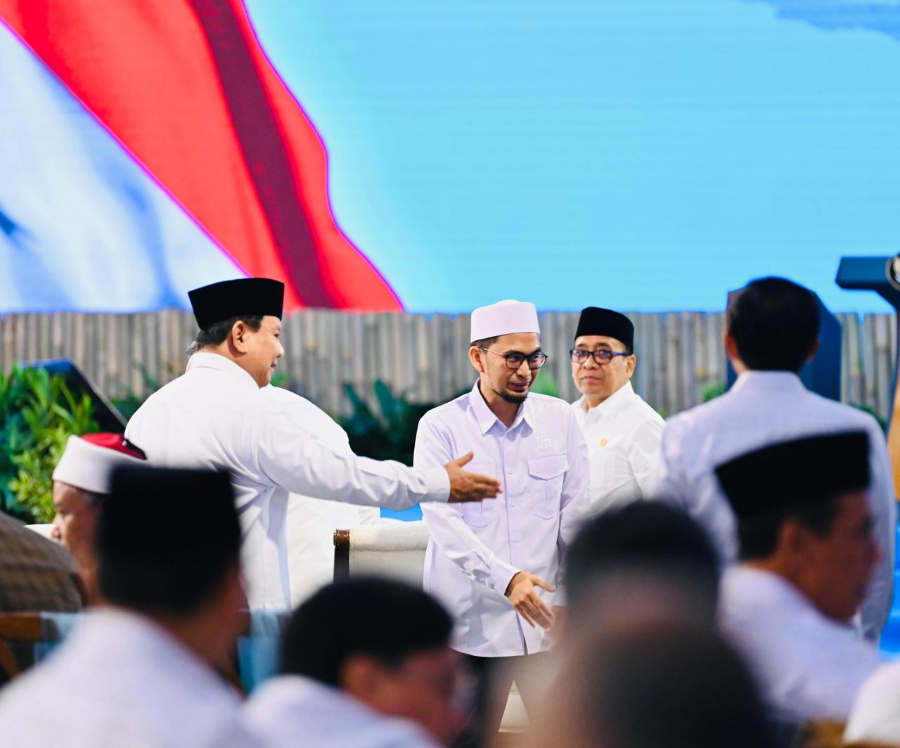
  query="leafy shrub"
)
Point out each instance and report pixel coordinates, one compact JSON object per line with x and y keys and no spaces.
{"x":712,"y":391}
{"x":38,"y":413}
{"x":390,"y":435}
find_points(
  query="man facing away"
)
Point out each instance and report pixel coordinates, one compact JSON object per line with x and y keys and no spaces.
{"x":215,"y":416}
{"x":806,"y":556}
{"x":622,"y":432}
{"x":138,"y":669}
{"x":365,"y":663}
{"x":81,"y":481}
{"x":772,"y":328}
{"x":496,"y":565}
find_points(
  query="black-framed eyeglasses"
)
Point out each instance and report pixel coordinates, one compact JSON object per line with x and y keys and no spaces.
{"x":515,"y":359}
{"x":580,"y":356}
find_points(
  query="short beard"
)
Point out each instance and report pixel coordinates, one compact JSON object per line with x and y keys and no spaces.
{"x":517,"y":399}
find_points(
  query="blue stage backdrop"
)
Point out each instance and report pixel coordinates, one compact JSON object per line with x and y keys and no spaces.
{"x":643,"y":155}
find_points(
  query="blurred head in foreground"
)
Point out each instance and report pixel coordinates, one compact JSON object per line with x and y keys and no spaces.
{"x":168,"y":543}
{"x":654,"y":685}
{"x":384,"y":643}
{"x":81,"y":480}
{"x":803,"y":513}
{"x":649,"y":558}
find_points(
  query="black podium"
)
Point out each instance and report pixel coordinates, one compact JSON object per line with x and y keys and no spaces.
{"x":881,"y":275}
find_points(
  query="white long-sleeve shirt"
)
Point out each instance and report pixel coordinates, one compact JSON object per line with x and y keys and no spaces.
{"x":215,"y":416}
{"x":761,"y":408}
{"x":622,"y":435}
{"x":474,"y":551}
{"x":292,"y":710}
{"x":311,"y":522}
{"x":121,"y":680}
{"x":808,"y":666}
{"x":876,"y":712}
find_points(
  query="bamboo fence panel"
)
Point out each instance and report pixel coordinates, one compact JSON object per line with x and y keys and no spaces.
{"x":424,"y":357}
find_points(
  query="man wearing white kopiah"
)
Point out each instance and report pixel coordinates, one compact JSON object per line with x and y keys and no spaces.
{"x":496,"y":566}
{"x":621,"y":430}
{"x":81,"y":481}
{"x":215,"y":416}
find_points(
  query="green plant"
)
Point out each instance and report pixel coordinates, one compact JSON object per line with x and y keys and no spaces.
{"x":712,"y":391}
{"x":546,"y":384}
{"x":38,"y":413}
{"x":388,"y":435}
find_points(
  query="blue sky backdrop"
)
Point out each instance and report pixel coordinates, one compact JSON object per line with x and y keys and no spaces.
{"x":642,"y":155}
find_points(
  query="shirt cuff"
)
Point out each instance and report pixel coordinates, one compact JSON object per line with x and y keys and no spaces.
{"x":437,"y":484}
{"x":501,"y":575}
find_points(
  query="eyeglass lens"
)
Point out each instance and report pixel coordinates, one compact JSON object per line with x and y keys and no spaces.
{"x":601,"y":357}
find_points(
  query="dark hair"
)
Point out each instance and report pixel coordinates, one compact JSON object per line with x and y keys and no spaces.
{"x":166,"y":538}
{"x":758,"y":536}
{"x":381,"y":618}
{"x":484,"y":342}
{"x":639,"y":536}
{"x":774,"y":323}
{"x":665,"y":686}
{"x":217,"y":333}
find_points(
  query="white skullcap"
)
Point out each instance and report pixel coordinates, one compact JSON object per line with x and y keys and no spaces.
{"x":503,"y":318}
{"x":88,"y":463}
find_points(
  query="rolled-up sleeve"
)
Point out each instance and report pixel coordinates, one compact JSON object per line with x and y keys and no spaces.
{"x":446,"y":526}
{"x":295,"y":459}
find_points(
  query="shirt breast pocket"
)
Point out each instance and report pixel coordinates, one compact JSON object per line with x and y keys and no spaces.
{"x":480,"y":513}
{"x":547,"y":474}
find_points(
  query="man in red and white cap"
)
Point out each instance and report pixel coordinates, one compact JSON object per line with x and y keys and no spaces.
{"x":80,"y":481}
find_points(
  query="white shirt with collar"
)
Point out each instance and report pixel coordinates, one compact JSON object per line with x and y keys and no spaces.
{"x":761,"y":408}
{"x":215,"y":416}
{"x":622,"y":434}
{"x":292,"y":710}
{"x":311,"y":522}
{"x":876,"y":713}
{"x":475,"y":550}
{"x":808,"y":666}
{"x":121,"y":680}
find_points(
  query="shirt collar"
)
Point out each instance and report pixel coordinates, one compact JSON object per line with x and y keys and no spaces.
{"x":769,"y":587}
{"x":768,"y":381}
{"x":225,"y":365}
{"x":616,"y":402}
{"x":486,"y":417}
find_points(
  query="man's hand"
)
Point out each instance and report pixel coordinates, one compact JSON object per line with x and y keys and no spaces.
{"x":466,"y":486}
{"x":525,"y":599}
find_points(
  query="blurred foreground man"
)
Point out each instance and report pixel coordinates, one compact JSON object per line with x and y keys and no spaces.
{"x":652,"y":684}
{"x":496,"y":565}
{"x":807,"y":554}
{"x":81,"y":481}
{"x":772,"y":328}
{"x":642,"y":561}
{"x":622,"y":432}
{"x":215,"y":416}
{"x":138,"y":670}
{"x":365,"y":663}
